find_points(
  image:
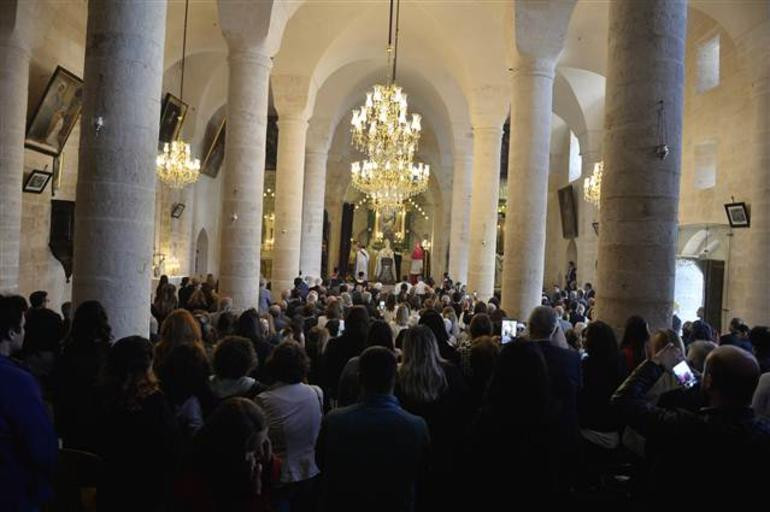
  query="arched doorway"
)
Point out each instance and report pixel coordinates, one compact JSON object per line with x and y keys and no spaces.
{"x":202,"y":253}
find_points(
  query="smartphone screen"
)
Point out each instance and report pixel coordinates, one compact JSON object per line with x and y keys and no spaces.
{"x":341,"y":328}
{"x":509,"y":331}
{"x":382,"y":304}
{"x":684,"y":375}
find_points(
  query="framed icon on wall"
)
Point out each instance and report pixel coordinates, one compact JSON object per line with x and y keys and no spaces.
{"x":56,"y":114}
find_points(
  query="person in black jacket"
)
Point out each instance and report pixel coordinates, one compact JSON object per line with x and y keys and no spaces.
{"x":737,"y":336}
{"x":137,"y":436}
{"x":372,"y":454}
{"x":722,"y":437}
{"x":433,"y":388}
{"x":76,"y":374}
{"x":760,"y":338}
{"x":341,"y":349}
{"x":44,"y":331}
{"x":512,"y":447}
{"x":565,"y":372}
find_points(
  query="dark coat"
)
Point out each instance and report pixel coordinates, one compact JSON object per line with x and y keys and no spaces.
{"x":731,"y":441}
{"x":372,"y":456}
{"x":28,"y":444}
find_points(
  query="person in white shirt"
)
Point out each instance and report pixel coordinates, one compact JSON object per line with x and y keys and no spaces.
{"x":420,"y":288}
{"x":294,"y":411}
{"x":362,"y":262}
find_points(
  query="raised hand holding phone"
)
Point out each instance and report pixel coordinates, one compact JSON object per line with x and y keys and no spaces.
{"x":669,"y":357}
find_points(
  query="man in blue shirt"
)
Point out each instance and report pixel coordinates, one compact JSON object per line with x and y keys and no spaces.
{"x":372,"y":454}
{"x":28,"y":444}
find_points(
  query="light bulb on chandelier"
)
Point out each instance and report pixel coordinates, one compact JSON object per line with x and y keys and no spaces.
{"x":592,"y":186}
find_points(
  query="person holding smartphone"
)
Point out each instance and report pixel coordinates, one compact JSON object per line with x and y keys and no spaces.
{"x":722,"y":437}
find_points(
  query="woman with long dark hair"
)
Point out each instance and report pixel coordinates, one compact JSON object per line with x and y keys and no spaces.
{"x":137,"y":434}
{"x":249,"y":326}
{"x":635,"y":343}
{"x":435,"y":322}
{"x":513,"y":437}
{"x":349,"y":389}
{"x":231,"y":466}
{"x":603,"y":372}
{"x":75,"y":375}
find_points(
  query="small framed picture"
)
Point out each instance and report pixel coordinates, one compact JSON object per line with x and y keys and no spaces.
{"x":56,"y":114}
{"x":171,"y":118}
{"x":176,"y":210}
{"x":37,"y":181}
{"x":737,"y":215}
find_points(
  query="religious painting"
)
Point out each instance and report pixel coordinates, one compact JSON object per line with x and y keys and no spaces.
{"x":56,"y":114}
{"x":389,"y":225}
{"x":569,"y":227}
{"x":171,"y":118}
{"x":37,"y":181}
{"x":216,"y":153}
{"x":271,"y":143}
{"x":737,"y":215}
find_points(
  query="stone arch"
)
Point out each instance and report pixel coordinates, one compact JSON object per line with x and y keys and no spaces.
{"x":201,"y":252}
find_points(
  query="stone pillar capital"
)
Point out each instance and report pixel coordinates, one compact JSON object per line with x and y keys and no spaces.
{"x":293,"y":121}
{"x":489,"y":106}
{"x":252,"y":55}
{"x":291,"y":96}
{"x":526,"y":65}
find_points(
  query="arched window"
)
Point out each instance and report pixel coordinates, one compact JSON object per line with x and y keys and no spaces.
{"x":575,"y":160}
{"x":708,"y":64}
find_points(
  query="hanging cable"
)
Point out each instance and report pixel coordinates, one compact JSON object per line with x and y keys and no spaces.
{"x":395,"y":52}
{"x":184,"y":47}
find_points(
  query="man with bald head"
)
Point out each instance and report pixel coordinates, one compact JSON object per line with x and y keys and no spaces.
{"x":724,"y":439}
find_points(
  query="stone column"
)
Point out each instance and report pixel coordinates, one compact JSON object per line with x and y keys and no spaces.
{"x":756,"y":47}
{"x":241,"y":221}
{"x":460,"y":217}
{"x":313,"y":212}
{"x":524,"y":254}
{"x":14,"y":83}
{"x":116,"y":173}
{"x":483,"y":217}
{"x":292,"y":130}
{"x":640,"y":192}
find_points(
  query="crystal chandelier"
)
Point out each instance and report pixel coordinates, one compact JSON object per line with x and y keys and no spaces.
{"x":390,"y":184}
{"x":592,"y":186}
{"x":175,"y":167}
{"x":380,"y":126}
{"x":382,"y":130}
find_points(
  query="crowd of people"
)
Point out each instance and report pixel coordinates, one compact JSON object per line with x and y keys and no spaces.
{"x":347,"y":395}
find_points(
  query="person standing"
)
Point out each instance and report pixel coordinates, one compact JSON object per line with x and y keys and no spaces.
{"x":294,"y":410}
{"x":372,"y":455}
{"x":362,"y":262}
{"x":28,"y":443}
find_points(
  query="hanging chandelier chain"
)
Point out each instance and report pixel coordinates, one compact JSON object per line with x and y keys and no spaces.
{"x":184,"y":47}
{"x":387,"y":137}
{"x":395,"y":49}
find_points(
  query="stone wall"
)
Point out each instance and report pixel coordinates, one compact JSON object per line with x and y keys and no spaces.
{"x":722,"y":115}
{"x":62,"y":44}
